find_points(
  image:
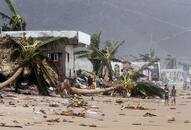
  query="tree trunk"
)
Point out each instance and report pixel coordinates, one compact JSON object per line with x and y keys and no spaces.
{"x":92,"y":91}
{"x":11,"y":79}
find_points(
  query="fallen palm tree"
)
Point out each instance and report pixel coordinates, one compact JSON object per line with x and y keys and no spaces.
{"x":11,"y":79}
{"x":92,"y":91}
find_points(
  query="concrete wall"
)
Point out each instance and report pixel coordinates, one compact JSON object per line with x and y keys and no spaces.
{"x":69,"y":61}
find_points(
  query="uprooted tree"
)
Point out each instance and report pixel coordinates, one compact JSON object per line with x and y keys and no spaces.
{"x":32,"y":64}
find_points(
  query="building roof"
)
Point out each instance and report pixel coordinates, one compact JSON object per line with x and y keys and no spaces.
{"x":82,"y":38}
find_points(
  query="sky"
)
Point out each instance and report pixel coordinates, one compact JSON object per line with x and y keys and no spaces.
{"x":164,"y":25}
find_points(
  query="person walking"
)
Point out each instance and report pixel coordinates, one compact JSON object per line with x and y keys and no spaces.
{"x":173,"y":95}
{"x":166,"y":95}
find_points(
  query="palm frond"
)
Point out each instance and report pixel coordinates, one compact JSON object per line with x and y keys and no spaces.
{"x":4,"y":16}
{"x":15,"y":54}
{"x":12,"y":6}
{"x":52,"y":41}
{"x":116,"y":46}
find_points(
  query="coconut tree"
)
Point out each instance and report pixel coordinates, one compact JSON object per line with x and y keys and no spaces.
{"x":90,"y":52}
{"x":170,"y":62}
{"x":33,"y":65}
{"x":106,"y":54}
{"x":15,"y":21}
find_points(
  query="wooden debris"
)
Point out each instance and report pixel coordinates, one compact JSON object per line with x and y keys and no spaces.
{"x":53,"y":105}
{"x":186,"y":121}
{"x":10,"y":126}
{"x":149,"y":115}
{"x":56,"y":120}
{"x":71,"y":113}
{"x":136,"y":123}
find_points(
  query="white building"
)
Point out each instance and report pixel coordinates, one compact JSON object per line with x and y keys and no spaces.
{"x":152,"y":72}
{"x":172,"y":76}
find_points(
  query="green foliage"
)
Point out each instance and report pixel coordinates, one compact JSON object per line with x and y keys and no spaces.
{"x":147,"y":89}
{"x":28,"y":53}
{"x":16,"y":21}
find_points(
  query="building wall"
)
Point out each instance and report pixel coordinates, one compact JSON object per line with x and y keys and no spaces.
{"x":69,"y":60}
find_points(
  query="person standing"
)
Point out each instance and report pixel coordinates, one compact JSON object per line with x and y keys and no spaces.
{"x":166,"y":95}
{"x":173,"y":95}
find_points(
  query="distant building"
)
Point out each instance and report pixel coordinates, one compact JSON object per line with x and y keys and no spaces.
{"x":151,"y":72}
{"x":62,"y":54}
{"x":172,"y":76}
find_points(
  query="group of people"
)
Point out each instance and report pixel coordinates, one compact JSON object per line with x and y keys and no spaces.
{"x":170,"y":94}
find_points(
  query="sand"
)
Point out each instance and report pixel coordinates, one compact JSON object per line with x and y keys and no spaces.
{"x":102,"y":113}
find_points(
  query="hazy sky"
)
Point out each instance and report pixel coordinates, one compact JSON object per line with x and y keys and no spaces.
{"x":161,"y":24}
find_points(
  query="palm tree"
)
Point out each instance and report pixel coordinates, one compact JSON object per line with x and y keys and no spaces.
{"x":106,"y":54}
{"x":150,"y":59}
{"x":33,"y":65}
{"x":170,"y":62}
{"x":16,"y":21}
{"x":90,"y":53}
{"x":186,"y":66}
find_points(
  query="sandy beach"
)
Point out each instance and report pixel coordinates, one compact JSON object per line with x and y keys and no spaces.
{"x":101,"y":113}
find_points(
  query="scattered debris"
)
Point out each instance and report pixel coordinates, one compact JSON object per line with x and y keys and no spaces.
{"x":88,"y":125}
{"x":15,"y":121}
{"x":119,"y":101}
{"x":149,"y":115}
{"x":25,"y":105}
{"x":136,"y":123}
{"x":56,"y":120}
{"x":10,"y":126}
{"x":53,"y":105}
{"x":83,"y":125}
{"x":186,"y":121}
{"x":137,"y":107}
{"x":78,"y":103}
{"x":92,"y":125}
{"x":11,"y":103}
{"x":173,"y":108}
{"x":71,"y":113}
{"x":42,"y":111}
{"x":171,"y":119}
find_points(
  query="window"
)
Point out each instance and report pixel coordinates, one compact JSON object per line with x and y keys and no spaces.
{"x":68,"y":57}
{"x":53,"y":56}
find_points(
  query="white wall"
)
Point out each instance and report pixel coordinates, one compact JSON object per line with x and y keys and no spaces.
{"x":69,"y":65}
{"x":84,"y":64}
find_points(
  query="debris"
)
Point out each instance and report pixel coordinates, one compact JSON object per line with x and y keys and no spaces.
{"x":171,"y":119}
{"x":119,"y":101}
{"x":71,"y":113}
{"x":10,"y":126}
{"x":64,"y":120}
{"x":136,"y":123}
{"x":173,"y":108}
{"x":25,"y":105}
{"x":11,"y":103}
{"x":92,"y":125}
{"x":88,"y":125}
{"x":53,"y":105}
{"x":45,"y":116}
{"x":78,"y":103}
{"x":57,"y":120}
{"x":137,"y":107}
{"x":149,"y":115}
{"x":83,"y":125}
{"x":122,"y":114}
{"x":186,"y":121}
{"x":42,"y":111}
{"x":15,"y":121}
